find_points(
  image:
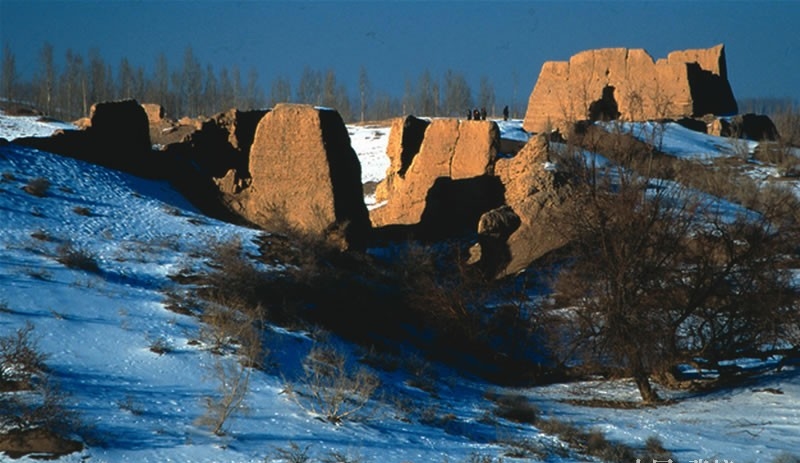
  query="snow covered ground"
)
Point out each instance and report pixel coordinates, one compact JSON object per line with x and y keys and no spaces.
{"x":141,"y":406}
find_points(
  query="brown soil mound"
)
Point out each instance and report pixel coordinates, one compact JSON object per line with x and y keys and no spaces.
{"x":39,"y":444}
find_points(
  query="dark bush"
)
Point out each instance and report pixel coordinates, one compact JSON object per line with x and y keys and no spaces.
{"x":20,"y":359}
{"x":37,"y":187}
{"x":76,"y":258}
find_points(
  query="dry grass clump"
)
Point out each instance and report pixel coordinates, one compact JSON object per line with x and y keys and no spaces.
{"x":76,"y":258}
{"x":595,"y":444}
{"x":786,"y":458}
{"x":515,"y":407}
{"x":294,"y":453}
{"x":41,"y":235}
{"x":787,"y":121}
{"x":232,"y":279}
{"x":37,"y":187}
{"x":84,"y":211}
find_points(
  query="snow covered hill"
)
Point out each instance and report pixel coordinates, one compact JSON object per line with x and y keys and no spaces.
{"x":99,"y":328}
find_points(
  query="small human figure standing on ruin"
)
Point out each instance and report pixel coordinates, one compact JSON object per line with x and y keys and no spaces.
{"x":476,"y":114}
{"x":505,"y":113}
{"x":469,"y":114}
{"x":483,"y":114}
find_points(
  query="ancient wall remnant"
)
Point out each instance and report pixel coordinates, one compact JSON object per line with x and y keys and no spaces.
{"x":440,"y":178}
{"x":305,"y":172}
{"x":628,"y":84}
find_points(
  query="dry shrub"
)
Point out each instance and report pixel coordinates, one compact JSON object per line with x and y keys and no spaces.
{"x":41,"y":235}
{"x":235,"y":338}
{"x":234,"y":281}
{"x":786,"y":457}
{"x":37,"y":187}
{"x":444,"y":296}
{"x":721,"y":179}
{"x":160,"y":345}
{"x":84,"y":211}
{"x":787,"y":121}
{"x":20,"y":359}
{"x":330,"y":388}
{"x":336,"y":456}
{"x":293,"y":453}
{"x":41,"y":409}
{"x":379,"y":359}
{"x":181,"y":302}
{"x":594,"y":443}
{"x":516,"y":408}
{"x":45,"y":408}
{"x":77,"y":258}
{"x":232,"y":377}
{"x":17,"y":109}
{"x":526,"y":449}
{"x":654,"y":450}
{"x":423,"y":375}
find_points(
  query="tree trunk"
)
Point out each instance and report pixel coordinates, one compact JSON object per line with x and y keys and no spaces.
{"x":649,"y":395}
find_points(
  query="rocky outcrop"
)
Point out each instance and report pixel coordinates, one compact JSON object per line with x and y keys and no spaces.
{"x":628,"y":84}
{"x":521,"y":231}
{"x":440,"y":179}
{"x":304,"y":172}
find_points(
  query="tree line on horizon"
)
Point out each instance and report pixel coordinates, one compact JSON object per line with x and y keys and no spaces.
{"x":193,"y":89}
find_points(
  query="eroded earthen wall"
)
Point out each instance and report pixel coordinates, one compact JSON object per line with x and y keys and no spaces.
{"x":685,"y":84}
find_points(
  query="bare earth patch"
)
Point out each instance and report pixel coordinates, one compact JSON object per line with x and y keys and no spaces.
{"x":38,"y":444}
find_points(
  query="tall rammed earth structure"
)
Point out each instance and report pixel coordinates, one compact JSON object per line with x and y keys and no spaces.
{"x":627,"y":84}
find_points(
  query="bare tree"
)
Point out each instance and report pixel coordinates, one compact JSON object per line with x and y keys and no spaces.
{"x":425,"y":102}
{"x":226,"y":90}
{"x":192,"y":82}
{"x":211,"y":100}
{"x":158,"y":87}
{"x":254,"y":96}
{"x":126,"y":78}
{"x":408,"y":99}
{"x":47,"y":78}
{"x":457,"y":94}
{"x":363,"y":91}
{"x":236,"y":85}
{"x":280,"y":92}
{"x":659,"y":277}
{"x":74,"y":85}
{"x":309,"y":89}
{"x":329,"y":97}
{"x":334,"y":95}
{"x":486,"y":98}
{"x":100,"y":79}
{"x":8,"y":83}
{"x":385,"y":106}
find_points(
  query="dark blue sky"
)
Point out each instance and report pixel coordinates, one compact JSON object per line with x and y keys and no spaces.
{"x":397,"y":40}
